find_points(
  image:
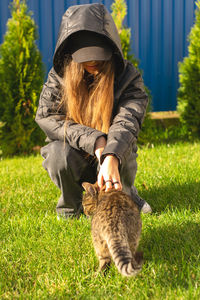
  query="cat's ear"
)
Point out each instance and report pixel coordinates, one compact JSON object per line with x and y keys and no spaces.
{"x":89,"y":188}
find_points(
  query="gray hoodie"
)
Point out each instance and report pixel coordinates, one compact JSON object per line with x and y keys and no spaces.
{"x":130,"y":99}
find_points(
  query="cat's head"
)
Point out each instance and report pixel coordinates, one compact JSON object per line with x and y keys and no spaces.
{"x":90,"y":198}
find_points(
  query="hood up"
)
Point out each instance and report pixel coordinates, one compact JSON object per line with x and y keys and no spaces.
{"x":90,"y":17}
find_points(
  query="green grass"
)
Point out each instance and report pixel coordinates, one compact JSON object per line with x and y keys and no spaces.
{"x":43,"y":258}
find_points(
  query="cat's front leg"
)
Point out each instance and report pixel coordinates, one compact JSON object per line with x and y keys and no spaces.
{"x":104,"y":264}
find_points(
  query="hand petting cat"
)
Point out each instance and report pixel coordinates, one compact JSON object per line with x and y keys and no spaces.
{"x":109,"y":170}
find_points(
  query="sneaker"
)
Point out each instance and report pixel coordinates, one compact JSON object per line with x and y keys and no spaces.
{"x":146,"y":208}
{"x":143,"y":206}
{"x":66,"y":215}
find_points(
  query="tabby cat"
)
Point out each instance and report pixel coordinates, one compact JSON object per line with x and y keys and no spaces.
{"x":116,"y":228}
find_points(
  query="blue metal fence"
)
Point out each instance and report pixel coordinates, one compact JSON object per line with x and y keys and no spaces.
{"x":159,"y":38}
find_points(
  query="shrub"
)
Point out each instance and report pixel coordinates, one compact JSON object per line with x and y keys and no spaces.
{"x":119,"y":11}
{"x":1,"y":129}
{"x":21,"y":79}
{"x":189,"y":77}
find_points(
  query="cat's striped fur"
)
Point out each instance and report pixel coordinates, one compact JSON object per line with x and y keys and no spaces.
{"x":116,"y":228}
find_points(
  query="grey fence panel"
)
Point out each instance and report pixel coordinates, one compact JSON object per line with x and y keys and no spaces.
{"x":159,"y":38}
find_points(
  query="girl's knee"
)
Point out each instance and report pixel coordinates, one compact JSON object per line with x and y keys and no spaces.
{"x":55,"y":154}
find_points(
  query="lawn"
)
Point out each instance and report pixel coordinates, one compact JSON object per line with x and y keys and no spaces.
{"x":43,"y":258}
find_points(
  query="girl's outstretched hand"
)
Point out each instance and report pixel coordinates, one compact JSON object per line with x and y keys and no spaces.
{"x":109,"y":174}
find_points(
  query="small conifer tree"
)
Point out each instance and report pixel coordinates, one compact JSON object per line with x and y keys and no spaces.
{"x":119,"y":11}
{"x":189,"y":77}
{"x":21,"y":78}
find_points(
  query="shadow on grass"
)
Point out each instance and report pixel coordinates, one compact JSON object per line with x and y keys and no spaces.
{"x":174,"y":252}
{"x":172,"y":196}
{"x":172,"y":246}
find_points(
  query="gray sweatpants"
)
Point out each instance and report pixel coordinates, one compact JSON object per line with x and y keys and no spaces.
{"x":68,"y":168}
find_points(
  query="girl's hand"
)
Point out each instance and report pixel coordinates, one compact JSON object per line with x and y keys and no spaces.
{"x":109,"y":174}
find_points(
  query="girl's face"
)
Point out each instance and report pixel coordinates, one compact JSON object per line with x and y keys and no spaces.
{"x":92,"y":67}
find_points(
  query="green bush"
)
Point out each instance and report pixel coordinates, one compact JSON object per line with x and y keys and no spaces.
{"x":119,"y":11}
{"x":21,"y":79}
{"x":1,"y":129}
{"x":189,"y":77}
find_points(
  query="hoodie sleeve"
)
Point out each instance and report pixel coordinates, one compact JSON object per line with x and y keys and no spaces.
{"x":127,"y":122}
{"x":51,"y":118}
{"x":48,"y":116}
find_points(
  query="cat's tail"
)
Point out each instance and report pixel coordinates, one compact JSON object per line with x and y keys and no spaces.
{"x":123,"y":258}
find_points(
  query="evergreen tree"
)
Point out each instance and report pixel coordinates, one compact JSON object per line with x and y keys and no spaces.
{"x":21,"y":79}
{"x":189,"y":77}
{"x":119,"y":12}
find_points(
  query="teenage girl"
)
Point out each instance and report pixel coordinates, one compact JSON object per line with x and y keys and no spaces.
{"x":92,"y":106}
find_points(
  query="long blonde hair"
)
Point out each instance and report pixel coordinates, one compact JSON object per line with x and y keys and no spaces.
{"x":86,"y":103}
